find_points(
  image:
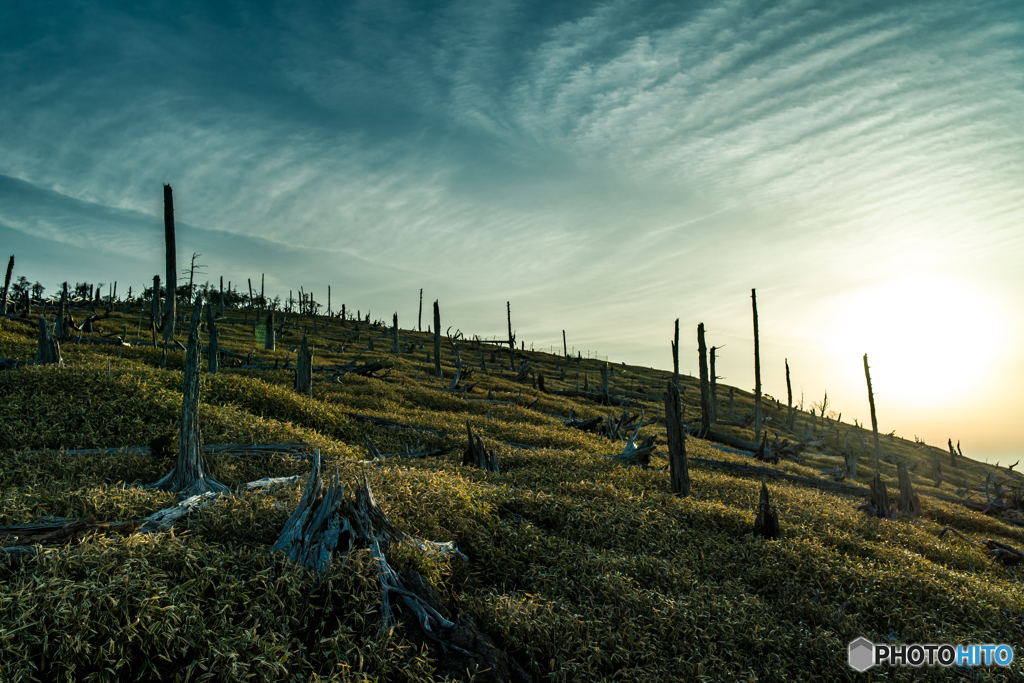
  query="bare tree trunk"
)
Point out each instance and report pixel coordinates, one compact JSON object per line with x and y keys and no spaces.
{"x":790,"y":413}
{"x":705,"y":386}
{"x":213,"y":345}
{"x":713,"y":385}
{"x":757,"y":372}
{"x":222,"y":296}
{"x":565,"y":347}
{"x":60,"y":327}
{"x":328,"y":301}
{"x":190,"y":475}
{"x":874,"y":421}
{"x":952,"y":455}
{"x":7,"y":280}
{"x":437,"y":340}
{"x":271,"y":344}
{"x":49,"y":349}
{"x":511,"y":337}
{"x":304,"y":370}
{"x":419,"y":322}
{"x":394,"y":343}
{"x":766,"y":524}
{"x":679,"y":473}
{"x":170,"y":303}
{"x":675,"y":356}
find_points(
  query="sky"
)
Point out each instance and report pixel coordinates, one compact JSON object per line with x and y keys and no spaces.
{"x":605,"y":167}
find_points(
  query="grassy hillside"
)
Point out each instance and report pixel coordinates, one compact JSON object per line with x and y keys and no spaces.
{"x":582,"y":569}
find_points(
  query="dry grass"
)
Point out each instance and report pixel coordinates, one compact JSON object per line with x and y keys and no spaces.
{"x":582,"y":569}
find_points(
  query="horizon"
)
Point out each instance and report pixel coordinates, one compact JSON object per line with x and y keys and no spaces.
{"x":607,"y":168}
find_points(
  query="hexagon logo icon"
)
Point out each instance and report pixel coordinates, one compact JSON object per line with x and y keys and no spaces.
{"x":862,"y":654}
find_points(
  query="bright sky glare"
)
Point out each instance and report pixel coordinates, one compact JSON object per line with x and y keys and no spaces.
{"x":607,"y":167}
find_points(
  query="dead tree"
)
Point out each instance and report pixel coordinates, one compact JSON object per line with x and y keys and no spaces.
{"x":878,"y":503}
{"x":221,"y":302}
{"x":952,"y":455}
{"x":713,"y":388}
{"x":62,"y":325}
{"x":757,"y":372}
{"x":790,"y":413}
{"x":909,"y":504}
{"x":766,"y":524}
{"x":213,"y":344}
{"x":675,"y":356}
{"x":874,"y":421}
{"x":565,"y":346}
{"x":49,"y":349}
{"x":394,"y":345}
{"x":511,"y":336}
{"x":679,"y":473}
{"x":437,"y":340}
{"x":635,"y":455}
{"x":705,"y":386}
{"x":476,"y":455}
{"x":419,"y":322}
{"x":271,"y":343}
{"x":170,"y":303}
{"x":7,"y":280}
{"x":190,"y":475}
{"x":304,"y":370}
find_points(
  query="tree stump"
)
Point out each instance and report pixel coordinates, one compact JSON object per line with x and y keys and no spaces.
{"x":705,"y":385}
{"x":48,"y":350}
{"x":437,"y":340}
{"x":190,"y":475}
{"x":271,"y":344}
{"x":213,"y":345}
{"x":909,"y":504}
{"x":476,"y":455}
{"x":766,"y":524}
{"x":878,"y":503}
{"x":304,"y":370}
{"x":679,"y":473}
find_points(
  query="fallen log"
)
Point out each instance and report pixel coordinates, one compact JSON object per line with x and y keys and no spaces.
{"x":60,"y":533}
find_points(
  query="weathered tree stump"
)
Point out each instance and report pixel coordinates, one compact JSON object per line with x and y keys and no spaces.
{"x":766,"y":524}
{"x":909,"y":504}
{"x":634,"y":455}
{"x":878,"y":503}
{"x":476,"y":455}
{"x":171,"y":286}
{"x":48,"y":350}
{"x":437,"y":340}
{"x":679,"y":473}
{"x":190,"y":475}
{"x":304,"y":370}
{"x":213,"y":344}
{"x":7,"y":281}
{"x":952,"y":454}
{"x":271,"y":343}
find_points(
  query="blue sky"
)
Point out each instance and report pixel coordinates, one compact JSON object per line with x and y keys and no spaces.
{"x":607,"y":167}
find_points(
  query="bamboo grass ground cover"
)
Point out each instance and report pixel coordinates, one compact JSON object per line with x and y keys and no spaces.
{"x":583,"y":570}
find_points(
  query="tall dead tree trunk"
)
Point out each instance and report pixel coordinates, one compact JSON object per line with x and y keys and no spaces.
{"x":419,"y":321}
{"x":394,"y":342}
{"x":213,"y":342}
{"x":221,"y":302}
{"x":329,"y":301}
{"x":757,"y":372}
{"x":304,"y":370}
{"x":790,"y":413}
{"x":679,"y":473}
{"x":61,"y":328}
{"x":7,"y":280}
{"x":437,"y":340}
{"x":190,"y":475}
{"x":511,"y":337}
{"x":48,"y":350}
{"x":271,"y":344}
{"x":874,"y":421}
{"x":705,"y":385}
{"x":713,"y":386}
{"x":952,"y":454}
{"x":170,"y":304}
{"x":565,"y":347}
{"x":675,"y":356}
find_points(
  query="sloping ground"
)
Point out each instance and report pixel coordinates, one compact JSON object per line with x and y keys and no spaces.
{"x":580,"y":568}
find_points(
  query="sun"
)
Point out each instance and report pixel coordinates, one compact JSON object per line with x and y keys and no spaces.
{"x":930,"y":340}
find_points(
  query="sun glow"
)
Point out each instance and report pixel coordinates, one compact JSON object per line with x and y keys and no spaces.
{"x":930,"y":340}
